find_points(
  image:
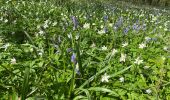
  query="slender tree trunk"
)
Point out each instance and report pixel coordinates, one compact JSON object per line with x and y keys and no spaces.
{"x":150,"y":2}
{"x":166,"y":3}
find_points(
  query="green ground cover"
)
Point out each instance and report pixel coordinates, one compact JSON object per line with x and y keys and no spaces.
{"x":74,"y":50}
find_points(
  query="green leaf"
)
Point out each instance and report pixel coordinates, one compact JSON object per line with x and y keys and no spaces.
{"x":86,"y":92}
{"x":14,"y":96}
{"x":101,"y":89}
{"x":25,"y":85}
{"x":91,"y":78}
{"x":119,"y":72}
{"x":80,"y":97}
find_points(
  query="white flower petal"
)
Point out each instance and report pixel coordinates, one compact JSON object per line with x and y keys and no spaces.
{"x":105,"y":78}
{"x":123,"y":57}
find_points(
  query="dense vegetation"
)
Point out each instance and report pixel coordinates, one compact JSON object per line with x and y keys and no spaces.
{"x":86,"y":50}
{"x":151,"y":2}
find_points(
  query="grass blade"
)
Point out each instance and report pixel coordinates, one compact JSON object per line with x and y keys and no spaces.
{"x":101,"y":89}
{"x":80,"y":97}
{"x":25,"y":85}
{"x":119,"y":72}
{"x":86,"y":92}
{"x":91,"y":78}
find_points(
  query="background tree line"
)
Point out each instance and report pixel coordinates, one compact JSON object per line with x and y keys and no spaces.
{"x":162,"y":3}
{"x":151,"y":2}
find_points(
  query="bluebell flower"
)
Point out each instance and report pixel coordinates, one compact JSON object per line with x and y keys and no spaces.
{"x":137,"y":21}
{"x":105,"y":29}
{"x":135,"y":26}
{"x":126,"y":30}
{"x":73,"y":58}
{"x":105,"y":18}
{"x":154,"y":39}
{"x":121,"y":19}
{"x":75,"y":22}
{"x":119,"y":22}
{"x":69,"y":50}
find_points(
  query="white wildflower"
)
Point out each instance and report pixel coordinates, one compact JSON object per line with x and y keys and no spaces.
{"x":165,"y":29}
{"x":13,"y":33}
{"x":6,"y":46}
{"x":160,"y":27}
{"x":105,"y":78}
{"x":93,"y":45}
{"x":104,"y":48}
{"x":40,"y":52}
{"x":45,"y":25}
{"x":41,"y":32}
{"x":111,"y":24}
{"x":46,"y":22}
{"x":101,"y":26}
{"x":154,"y":18}
{"x":114,"y":51}
{"x":55,"y":23}
{"x":101,"y":32}
{"x":77,"y":37}
{"x":123,"y":57}
{"x":69,"y":36}
{"x":147,"y":38}
{"x":125,"y":44}
{"x":6,"y":20}
{"x":165,"y":48}
{"x":62,"y":14}
{"x":142,"y":45}
{"x":138,"y":61}
{"x":86,"y":26}
{"x":13,"y":61}
{"x":146,"y":67}
{"x":163,"y":58}
{"x":148,"y":91}
{"x":93,"y":24}
{"x":115,"y":28}
{"x":121,"y":79}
